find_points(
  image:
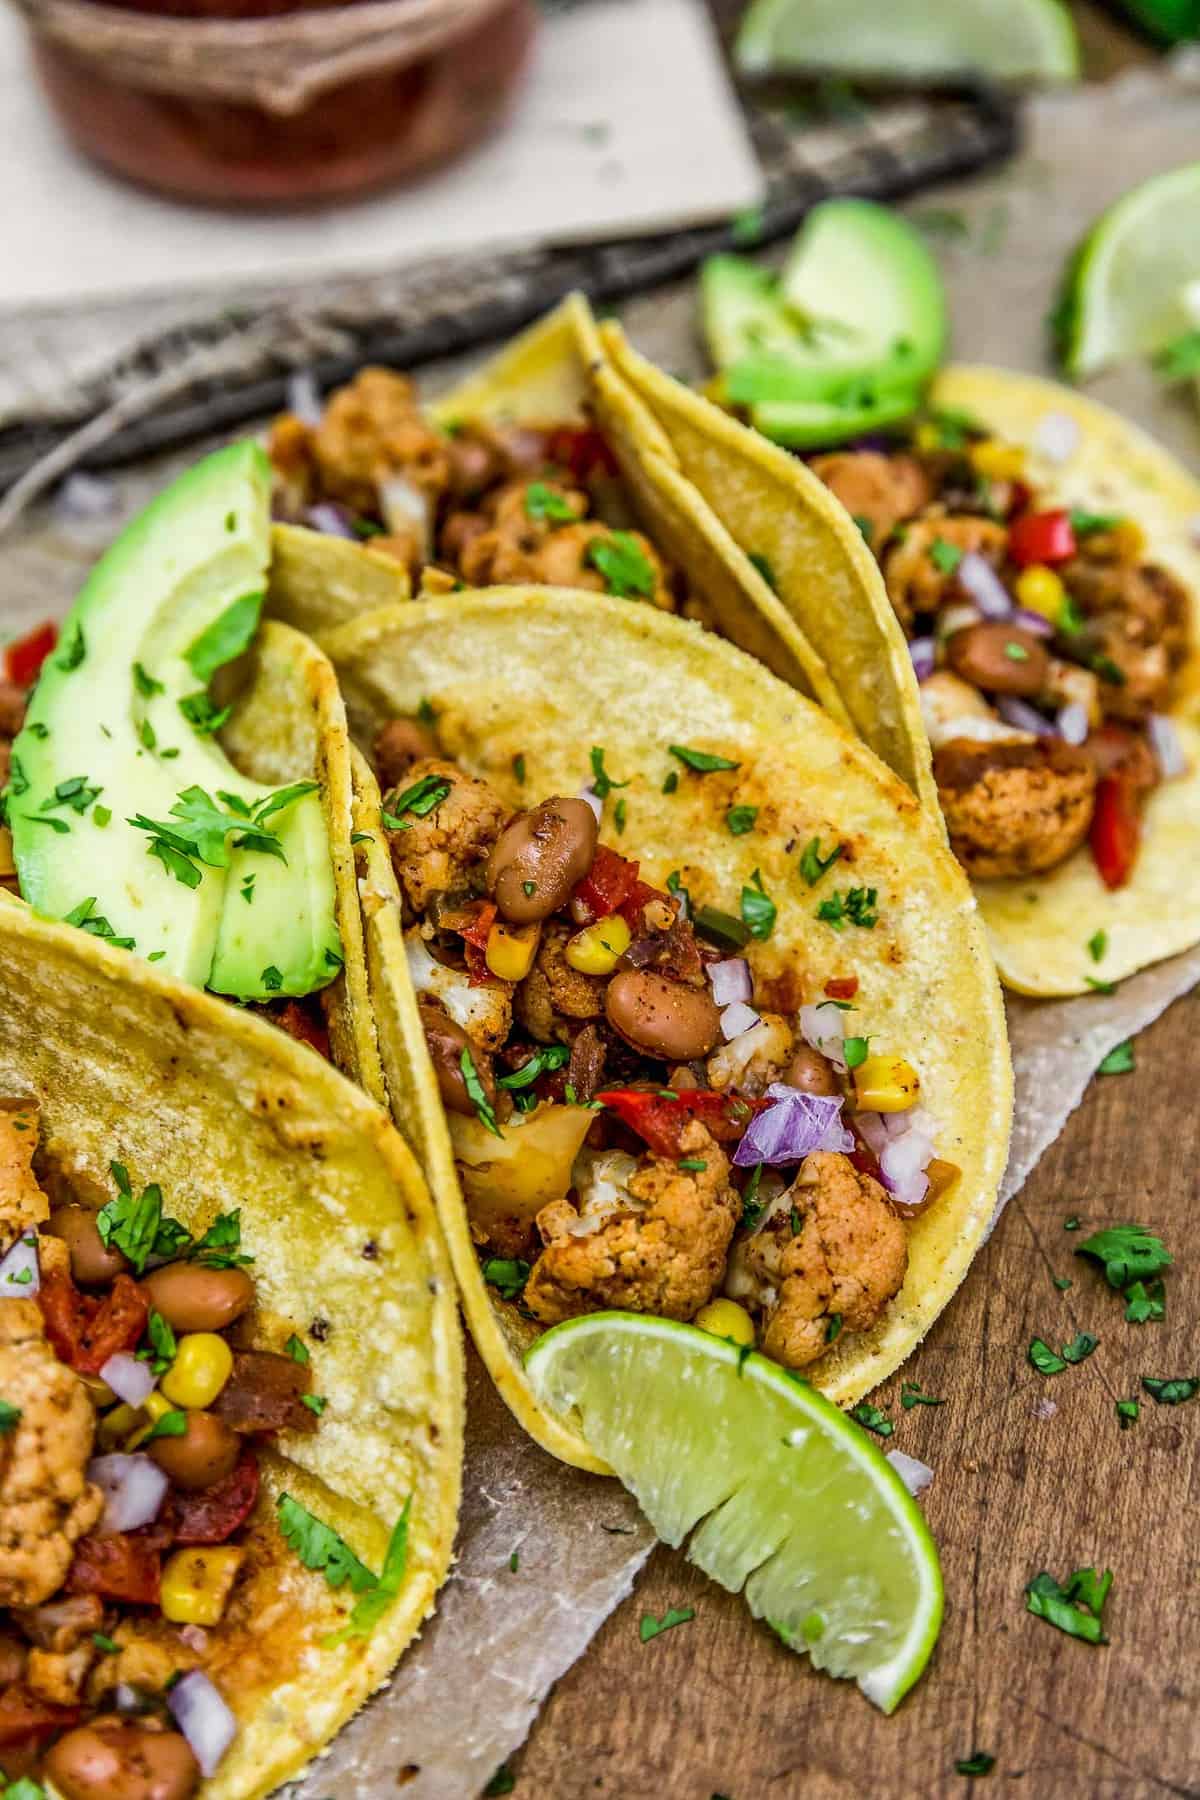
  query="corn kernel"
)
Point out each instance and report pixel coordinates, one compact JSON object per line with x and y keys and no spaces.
{"x":725,"y":1318}
{"x":595,"y":949}
{"x":203,"y":1364}
{"x":115,"y":1426}
{"x":152,"y":1409}
{"x":1040,"y":589}
{"x":927,"y":436}
{"x":996,"y":461}
{"x":196,"y":1584}
{"x":886,"y":1084}
{"x":511,"y":950}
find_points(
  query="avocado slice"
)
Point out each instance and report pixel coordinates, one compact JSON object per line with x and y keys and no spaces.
{"x":121,"y":728}
{"x":817,"y":424}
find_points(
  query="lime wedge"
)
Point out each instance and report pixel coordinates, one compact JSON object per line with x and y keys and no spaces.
{"x":1123,"y":294}
{"x":922,"y":40}
{"x":784,"y":1495}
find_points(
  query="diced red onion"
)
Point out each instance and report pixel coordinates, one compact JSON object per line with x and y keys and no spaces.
{"x":131,"y":1380}
{"x":204,"y":1719}
{"x":405,"y":507}
{"x":731,"y":980}
{"x":902,"y":1164}
{"x":303,"y":397}
{"x":84,"y":496}
{"x":1022,"y":716}
{"x":1045,"y":1408}
{"x":976,"y":577}
{"x":1167,"y":748}
{"x":795,"y":1125}
{"x":737,"y":1019}
{"x":134,"y":1489}
{"x":594,"y":801}
{"x":326,"y":516}
{"x":872,"y":1130}
{"x":1057,"y":437}
{"x":195,"y":1637}
{"x":1033,"y":622}
{"x":128,"y":1699}
{"x":823,"y":1027}
{"x":915,"y":1474}
{"x":20,"y":1274}
{"x":1072,"y":723}
{"x":921,"y":650}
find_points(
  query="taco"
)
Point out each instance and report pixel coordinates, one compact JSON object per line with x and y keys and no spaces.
{"x":680,"y":995}
{"x":178,"y":773}
{"x":544,"y":467}
{"x":229,"y":1469}
{"x":1039,"y":555}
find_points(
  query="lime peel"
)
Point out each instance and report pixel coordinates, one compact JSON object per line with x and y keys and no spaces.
{"x":784,"y":1497}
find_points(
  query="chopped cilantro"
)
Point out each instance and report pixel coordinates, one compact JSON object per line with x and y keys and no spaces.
{"x":1173,"y":1391}
{"x":703,"y":762}
{"x":138,"y":1227}
{"x":752,"y":1207}
{"x":1180,"y":359}
{"x":226,"y":638}
{"x":87,"y":919}
{"x":857,"y":905}
{"x":626,"y":568}
{"x":247,"y":888}
{"x":1119,"y":1061}
{"x":620,"y":814}
{"x":1062,"y":1283}
{"x":73,"y":651}
{"x":980,"y":1762}
{"x":1080,"y":1347}
{"x":163,"y":1344}
{"x":671,"y":782}
{"x":813,"y":865}
{"x":1071,"y":1224}
{"x":316,"y":1403}
{"x":297,"y":1350}
{"x":740,"y":819}
{"x":1145,"y":1303}
{"x":321,"y":1549}
{"x":544,"y":1061}
{"x":855,"y":1050}
{"x":58,"y":825}
{"x":651,"y":1627}
{"x":872,"y":1419}
{"x":10,"y":1416}
{"x":759,"y":911}
{"x":171,"y":1424}
{"x":602,"y":782}
{"x":1083,"y":524}
{"x":544,"y":505}
{"x":833,"y":1328}
{"x":518,"y":768}
{"x":201,"y":714}
{"x":1070,"y":620}
{"x":361,"y":837}
{"x":1127,"y":1253}
{"x":746,"y":227}
{"x":1108,"y":670}
{"x":1128,"y":1412}
{"x":1016,"y":653}
{"x":422,"y":798}
{"x":507,"y":1274}
{"x":761,"y":563}
{"x":944,"y":557}
{"x":477,"y":1094}
{"x":502,"y":1782}
{"x":147,"y":735}
{"x":272,"y":979}
{"x":101,"y":815}
{"x":107,"y":1644}
{"x":1076,"y":1608}
{"x":1044,"y":1359}
{"x":911,"y":1395}
{"x":866,"y":526}
{"x":695,"y":1163}
{"x":514,"y":1562}
{"x":145,"y":683}
{"x":1100,"y":987}
{"x":73,"y":793}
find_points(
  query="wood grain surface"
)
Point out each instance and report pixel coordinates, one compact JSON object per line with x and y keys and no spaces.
{"x":718,"y":1707}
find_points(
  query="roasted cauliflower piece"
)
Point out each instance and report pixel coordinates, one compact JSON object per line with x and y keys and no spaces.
{"x":916,"y":580}
{"x":663,"y":1253}
{"x":1014,"y":808}
{"x":371,"y":430}
{"x":754,"y":1059}
{"x":440,"y":850}
{"x":23,"y":1205}
{"x":878,"y":491}
{"x":46,"y":1500}
{"x":554,"y":997}
{"x":833,"y":1248}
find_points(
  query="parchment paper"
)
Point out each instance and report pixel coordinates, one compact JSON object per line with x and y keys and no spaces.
{"x":465,"y":1696}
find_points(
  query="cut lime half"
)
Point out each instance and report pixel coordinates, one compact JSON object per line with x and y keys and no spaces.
{"x":786,"y":1498}
{"x":910,"y":40}
{"x":1123,"y":294}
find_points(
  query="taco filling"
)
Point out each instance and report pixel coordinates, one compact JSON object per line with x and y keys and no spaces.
{"x":133,"y":1415}
{"x":1046,"y":642}
{"x":482,"y":505}
{"x":638,"y":1121}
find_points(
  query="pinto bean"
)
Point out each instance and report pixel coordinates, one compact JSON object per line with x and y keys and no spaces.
{"x":206,"y":1453}
{"x":662,"y":1017}
{"x":446,"y":1042}
{"x":999,"y":658}
{"x":193,"y":1298}
{"x":122,"y":1762}
{"x":399,"y":744}
{"x":93,"y":1263}
{"x":811,"y":1072}
{"x":539,"y":857}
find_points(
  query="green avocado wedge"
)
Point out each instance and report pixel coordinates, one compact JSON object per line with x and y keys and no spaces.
{"x":127,"y":816}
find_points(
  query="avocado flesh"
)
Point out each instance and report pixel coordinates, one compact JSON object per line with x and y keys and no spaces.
{"x":198,"y":548}
{"x":815,"y":426}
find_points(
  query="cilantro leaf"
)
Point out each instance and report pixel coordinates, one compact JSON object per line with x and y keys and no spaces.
{"x":1180,"y":359}
{"x":320,"y":1548}
{"x":813,"y":865}
{"x":626,"y":568}
{"x":702,"y":762}
{"x":759,"y":911}
{"x":297,"y":1350}
{"x":1080,"y":1347}
{"x":602,"y":782}
{"x":1145,"y":1303}
{"x":762,"y":564}
{"x":872,"y":1419}
{"x":911,"y":1395}
{"x":477,"y":1093}
{"x":944,"y":557}
{"x":228,"y":635}
{"x":145,"y":683}
{"x":202,"y":714}
{"x":544,"y":1060}
{"x":740,"y":819}
{"x":10,"y":1416}
{"x":1127,"y":1252}
{"x":1128,"y":1412}
{"x":856,"y":906}
{"x":502,"y":1782}
{"x":1173,"y":1391}
{"x":543,"y":504}
{"x":1044,"y":1359}
{"x":752,"y":1207}
{"x":651,"y":1627}
{"x":171,"y":1424}
{"x":1075,"y":1608}
{"x":508,"y":1274}
{"x":138,"y":1227}
{"x":1119,"y":1061}
{"x":980,"y":1762}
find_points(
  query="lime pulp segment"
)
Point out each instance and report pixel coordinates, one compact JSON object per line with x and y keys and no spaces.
{"x":785,"y":1497}
{"x":1012,"y":40}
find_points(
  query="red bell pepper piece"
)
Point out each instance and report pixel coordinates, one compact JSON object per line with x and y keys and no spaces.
{"x":1116,"y":830}
{"x":1042,"y":537}
{"x":214,"y":1514}
{"x":23,"y":658}
{"x":582,"y":450}
{"x":842,"y":987}
{"x":305,"y":1024}
{"x":608,"y":884}
{"x":23,"y":1717}
{"x":117,"y":1565}
{"x":660,"y":1120}
{"x":84,"y":1332}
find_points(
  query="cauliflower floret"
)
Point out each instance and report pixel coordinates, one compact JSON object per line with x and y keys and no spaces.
{"x":483,"y":1009}
{"x":553,"y":992}
{"x":915,"y":582}
{"x":755,"y":1058}
{"x":438,"y":850}
{"x":837,"y":1249}
{"x":1014,"y":808}
{"x":372,"y":429}
{"x":149,"y":1652}
{"x":875,"y":489}
{"x":562,"y":557}
{"x":22,"y":1202}
{"x":664,"y":1255}
{"x":57,"y":1676}
{"x":46,"y":1501}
